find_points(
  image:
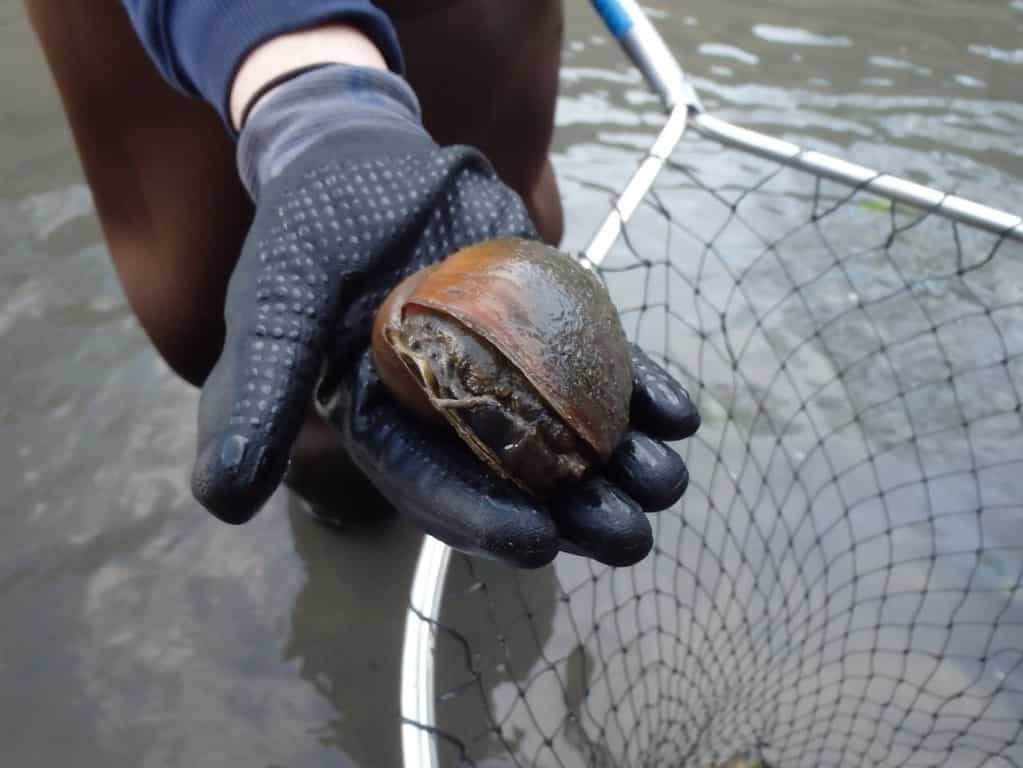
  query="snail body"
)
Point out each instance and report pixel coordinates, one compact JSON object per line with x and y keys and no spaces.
{"x":519,"y":348}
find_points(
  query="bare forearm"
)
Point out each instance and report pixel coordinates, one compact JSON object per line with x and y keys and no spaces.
{"x":332,"y":44}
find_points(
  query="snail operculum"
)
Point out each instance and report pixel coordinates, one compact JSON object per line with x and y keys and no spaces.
{"x":490,"y":404}
{"x":489,"y":340}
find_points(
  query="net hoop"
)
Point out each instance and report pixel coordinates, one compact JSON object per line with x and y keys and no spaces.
{"x":419,"y":733}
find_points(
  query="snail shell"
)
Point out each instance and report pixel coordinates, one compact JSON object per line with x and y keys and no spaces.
{"x":520,"y":349}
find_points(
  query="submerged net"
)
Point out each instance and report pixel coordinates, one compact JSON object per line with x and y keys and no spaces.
{"x":841,"y":585}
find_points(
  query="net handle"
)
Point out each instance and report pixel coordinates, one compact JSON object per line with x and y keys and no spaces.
{"x":645,"y":47}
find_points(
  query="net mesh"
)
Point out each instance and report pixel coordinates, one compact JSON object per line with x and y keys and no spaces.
{"x":841,"y":585}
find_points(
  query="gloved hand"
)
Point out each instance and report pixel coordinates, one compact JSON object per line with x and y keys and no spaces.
{"x":352,"y":195}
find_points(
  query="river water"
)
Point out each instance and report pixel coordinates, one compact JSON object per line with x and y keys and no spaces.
{"x":138,"y":631}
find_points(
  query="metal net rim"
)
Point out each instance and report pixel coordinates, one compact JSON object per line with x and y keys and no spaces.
{"x":418,"y":721}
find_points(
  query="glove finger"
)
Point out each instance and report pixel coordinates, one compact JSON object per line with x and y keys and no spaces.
{"x":427,"y":473}
{"x":254,"y":402}
{"x":660,"y":405}
{"x":599,"y":521}
{"x":648,"y":471}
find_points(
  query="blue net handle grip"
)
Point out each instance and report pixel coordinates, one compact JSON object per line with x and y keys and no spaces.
{"x":615,"y":16}
{"x":646,"y":48}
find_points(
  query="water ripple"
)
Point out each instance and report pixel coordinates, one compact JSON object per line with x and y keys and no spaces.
{"x":798,"y":36}
{"x":1014,"y":56}
{"x":729,"y":52}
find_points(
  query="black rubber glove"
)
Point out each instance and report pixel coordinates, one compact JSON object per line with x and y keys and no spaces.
{"x":430,"y":475}
{"x":352,"y":195}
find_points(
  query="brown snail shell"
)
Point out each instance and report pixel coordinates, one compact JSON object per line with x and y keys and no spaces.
{"x":520,"y":349}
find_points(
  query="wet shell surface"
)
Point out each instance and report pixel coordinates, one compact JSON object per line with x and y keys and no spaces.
{"x":520,"y":349}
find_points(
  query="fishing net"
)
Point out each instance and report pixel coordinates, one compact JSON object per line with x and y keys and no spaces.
{"x":841,"y":585}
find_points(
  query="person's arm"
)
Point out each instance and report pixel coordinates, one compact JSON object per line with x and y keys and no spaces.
{"x":352,"y":195}
{"x":200,"y":46}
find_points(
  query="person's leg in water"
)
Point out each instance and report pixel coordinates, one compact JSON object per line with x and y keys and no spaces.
{"x":162,"y":171}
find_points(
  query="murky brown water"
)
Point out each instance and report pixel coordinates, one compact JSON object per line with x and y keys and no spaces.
{"x":138,"y":631}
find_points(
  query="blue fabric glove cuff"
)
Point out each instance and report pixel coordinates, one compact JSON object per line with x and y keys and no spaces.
{"x":329,"y":100}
